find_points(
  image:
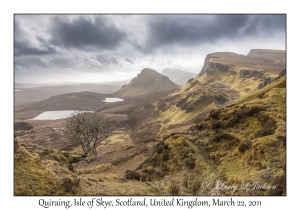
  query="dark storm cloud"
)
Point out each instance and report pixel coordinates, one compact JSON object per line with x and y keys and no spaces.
{"x":188,"y":30}
{"x":266,"y":24}
{"x":30,"y":62}
{"x":86,"y":34}
{"x":114,"y":43}
{"x":111,"y":60}
{"x":104,"y":60}
{"x":128,"y":60}
{"x":64,"y":62}
{"x":24,"y":46}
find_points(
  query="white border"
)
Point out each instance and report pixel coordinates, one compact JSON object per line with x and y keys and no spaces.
{"x":8,"y":8}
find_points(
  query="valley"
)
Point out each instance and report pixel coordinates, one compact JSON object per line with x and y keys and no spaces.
{"x":225,"y":125}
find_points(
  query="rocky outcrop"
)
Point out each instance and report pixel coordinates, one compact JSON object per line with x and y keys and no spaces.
{"x":245,"y":73}
{"x":209,"y":66}
{"x":208,"y":98}
{"x":282,"y":73}
{"x":266,"y":81}
{"x":184,"y":106}
{"x":269,"y":80}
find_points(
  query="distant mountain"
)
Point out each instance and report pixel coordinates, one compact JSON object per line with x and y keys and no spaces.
{"x":147,"y":82}
{"x":178,"y":76}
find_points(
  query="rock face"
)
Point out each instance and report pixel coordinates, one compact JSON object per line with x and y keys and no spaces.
{"x":178,"y":76}
{"x":225,"y":77}
{"x":270,"y":80}
{"x":282,"y":73}
{"x":147,"y":82}
{"x":209,"y":67}
{"x":265,"y":82}
{"x":244,"y":73}
{"x":257,"y":61}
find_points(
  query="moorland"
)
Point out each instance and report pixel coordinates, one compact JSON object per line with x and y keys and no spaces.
{"x":225,"y":126}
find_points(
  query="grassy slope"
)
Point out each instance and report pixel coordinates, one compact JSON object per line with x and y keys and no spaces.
{"x":240,"y":143}
{"x":42,"y":173}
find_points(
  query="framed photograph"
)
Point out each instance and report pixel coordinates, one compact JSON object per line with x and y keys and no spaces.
{"x":150,"y":105}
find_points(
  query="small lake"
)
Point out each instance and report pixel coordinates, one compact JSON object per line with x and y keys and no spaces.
{"x":109,"y":100}
{"x":55,"y":115}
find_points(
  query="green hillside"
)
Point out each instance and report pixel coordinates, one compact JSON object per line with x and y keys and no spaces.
{"x":244,"y":142}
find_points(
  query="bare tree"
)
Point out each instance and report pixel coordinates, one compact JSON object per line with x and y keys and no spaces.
{"x":90,"y":130}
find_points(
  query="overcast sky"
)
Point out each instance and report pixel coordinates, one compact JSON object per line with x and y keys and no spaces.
{"x":98,"y":48}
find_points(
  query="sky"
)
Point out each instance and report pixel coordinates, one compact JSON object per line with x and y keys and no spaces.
{"x":100,"y":48}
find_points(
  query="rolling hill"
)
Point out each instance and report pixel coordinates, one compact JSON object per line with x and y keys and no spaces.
{"x":27,"y":95}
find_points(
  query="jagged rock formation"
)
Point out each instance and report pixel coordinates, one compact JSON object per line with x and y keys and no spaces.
{"x":269,"y":80}
{"x":265,"y":82}
{"x":281,"y":74}
{"x":208,"y":66}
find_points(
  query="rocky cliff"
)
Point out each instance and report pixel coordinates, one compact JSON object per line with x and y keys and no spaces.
{"x":225,"y":77}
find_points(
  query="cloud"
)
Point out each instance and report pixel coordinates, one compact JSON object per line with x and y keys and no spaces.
{"x":85,"y":33}
{"x":165,"y":31}
{"x":265,"y":24}
{"x":30,"y":62}
{"x":128,"y":60}
{"x":63,"y":62}
{"x":23,"y":48}
{"x":115,"y":45}
{"x":29,"y":41}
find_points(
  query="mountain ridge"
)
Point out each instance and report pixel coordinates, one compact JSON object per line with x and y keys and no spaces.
{"x":225,"y":76}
